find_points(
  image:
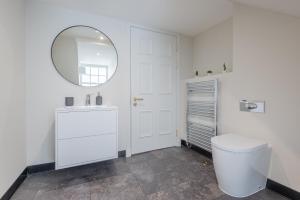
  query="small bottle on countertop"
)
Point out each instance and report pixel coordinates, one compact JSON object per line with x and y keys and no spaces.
{"x":98,"y":99}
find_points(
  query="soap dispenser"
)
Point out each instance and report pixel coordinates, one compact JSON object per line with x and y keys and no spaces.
{"x":98,"y":99}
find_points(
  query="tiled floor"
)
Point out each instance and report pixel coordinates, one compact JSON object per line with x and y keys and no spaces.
{"x":173,"y":173}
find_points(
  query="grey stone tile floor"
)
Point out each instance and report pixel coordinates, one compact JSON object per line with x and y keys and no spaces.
{"x":174,"y":173}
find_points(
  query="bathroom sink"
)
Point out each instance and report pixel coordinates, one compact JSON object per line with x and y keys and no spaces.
{"x":83,"y":108}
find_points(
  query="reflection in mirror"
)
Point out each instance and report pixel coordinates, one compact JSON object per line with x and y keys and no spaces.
{"x":84,"y":56}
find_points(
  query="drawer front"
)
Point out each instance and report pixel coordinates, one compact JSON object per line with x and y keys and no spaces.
{"x":85,"y":123}
{"x":76,"y":151}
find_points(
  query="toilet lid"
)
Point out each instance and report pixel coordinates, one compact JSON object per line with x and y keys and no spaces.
{"x":237,"y":143}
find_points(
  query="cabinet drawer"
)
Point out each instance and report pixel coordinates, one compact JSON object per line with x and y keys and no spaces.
{"x":76,"y":151}
{"x":85,"y":123}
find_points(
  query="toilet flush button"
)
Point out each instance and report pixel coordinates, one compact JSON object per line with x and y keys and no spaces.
{"x":252,"y":106}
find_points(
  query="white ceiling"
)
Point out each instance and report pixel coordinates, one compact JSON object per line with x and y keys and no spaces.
{"x":290,"y":7}
{"x":188,"y":17}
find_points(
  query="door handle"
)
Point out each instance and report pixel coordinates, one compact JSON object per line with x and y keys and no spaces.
{"x":137,"y":99}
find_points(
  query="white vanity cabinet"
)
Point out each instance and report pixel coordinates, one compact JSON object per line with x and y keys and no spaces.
{"x":85,"y":134}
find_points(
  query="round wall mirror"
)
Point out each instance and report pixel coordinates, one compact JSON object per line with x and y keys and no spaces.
{"x":84,"y":56}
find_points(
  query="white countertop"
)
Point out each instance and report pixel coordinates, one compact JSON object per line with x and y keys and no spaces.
{"x":85,"y":108}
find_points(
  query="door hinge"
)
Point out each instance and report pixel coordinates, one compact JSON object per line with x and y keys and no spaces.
{"x":176,"y":132}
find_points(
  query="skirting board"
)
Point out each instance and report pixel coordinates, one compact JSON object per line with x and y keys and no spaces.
{"x":35,"y":169}
{"x":8,"y":194}
{"x":198,"y":149}
{"x":271,"y":185}
{"x":122,"y":154}
{"x":40,"y":168}
{"x":283,"y":190}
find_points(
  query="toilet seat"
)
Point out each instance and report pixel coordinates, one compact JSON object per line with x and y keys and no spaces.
{"x":237,"y":143}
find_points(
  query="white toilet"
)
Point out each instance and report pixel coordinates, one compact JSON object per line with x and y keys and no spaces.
{"x":241,"y":164}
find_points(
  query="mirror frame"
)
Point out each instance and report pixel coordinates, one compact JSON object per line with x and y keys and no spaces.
{"x":100,"y":84}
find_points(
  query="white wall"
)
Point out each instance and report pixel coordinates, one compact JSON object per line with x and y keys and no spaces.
{"x":266,"y":67}
{"x":213,"y":48}
{"x":186,"y":71}
{"x":46,"y":89}
{"x":266,"y":60}
{"x":12,"y":100}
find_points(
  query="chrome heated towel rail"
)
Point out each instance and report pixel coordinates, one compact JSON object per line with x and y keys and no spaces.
{"x":201,"y":112}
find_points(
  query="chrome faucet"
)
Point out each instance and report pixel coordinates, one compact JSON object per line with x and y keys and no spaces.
{"x":88,"y":100}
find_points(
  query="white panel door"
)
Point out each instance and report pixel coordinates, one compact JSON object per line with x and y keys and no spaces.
{"x":153,"y":90}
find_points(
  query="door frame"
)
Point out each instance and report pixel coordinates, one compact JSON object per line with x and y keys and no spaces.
{"x":177,"y":82}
